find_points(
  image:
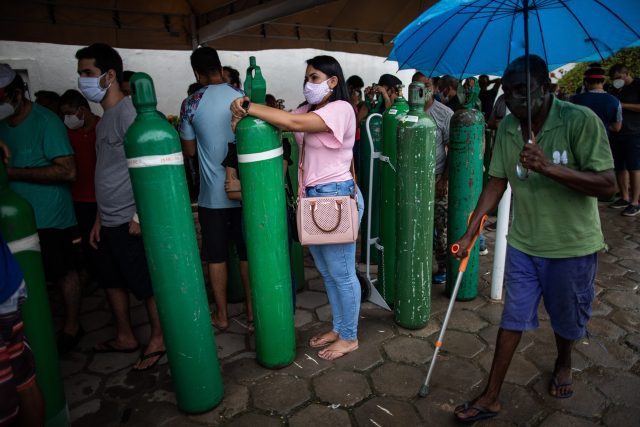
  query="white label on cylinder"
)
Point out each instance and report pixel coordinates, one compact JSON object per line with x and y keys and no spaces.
{"x":413,"y":119}
{"x":158,"y":160}
{"x":258,"y":157}
{"x":29,"y":243}
{"x":393,"y":111}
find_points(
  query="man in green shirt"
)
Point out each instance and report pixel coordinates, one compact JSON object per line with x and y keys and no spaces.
{"x":555,"y":234}
{"x":40,"y":169}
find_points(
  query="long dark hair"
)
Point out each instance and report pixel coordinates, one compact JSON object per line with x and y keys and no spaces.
{"x":329,"y":66}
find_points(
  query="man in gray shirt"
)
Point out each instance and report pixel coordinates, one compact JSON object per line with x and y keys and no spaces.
{"x":122,"y":264}
{"x":441,"y":114}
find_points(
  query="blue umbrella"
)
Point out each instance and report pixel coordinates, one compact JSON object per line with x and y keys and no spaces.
{"x":470,"y":37}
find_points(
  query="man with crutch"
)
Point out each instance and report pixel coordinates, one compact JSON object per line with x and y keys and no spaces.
{"x":555,"y":234}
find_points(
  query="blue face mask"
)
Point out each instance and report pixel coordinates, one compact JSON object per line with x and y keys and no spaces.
{"x":91,"y":88}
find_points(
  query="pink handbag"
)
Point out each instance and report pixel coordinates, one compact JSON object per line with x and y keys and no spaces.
{"x":326,"y":220}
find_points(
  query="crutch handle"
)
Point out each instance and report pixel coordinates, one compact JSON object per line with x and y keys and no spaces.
{"x":455,"y":248}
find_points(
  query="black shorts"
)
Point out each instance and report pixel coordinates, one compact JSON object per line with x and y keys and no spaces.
{"x":626,"y":152}
{"x":122,"y":263}
{"x":217,"y":227}
{"x":86,"y":217}
{"x":56,"y":247}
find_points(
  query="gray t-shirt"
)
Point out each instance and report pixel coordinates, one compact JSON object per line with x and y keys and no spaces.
{"x":114,"y":194}
{"x":441,"y":114}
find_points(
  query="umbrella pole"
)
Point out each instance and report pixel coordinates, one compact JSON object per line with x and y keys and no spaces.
{"x":521,"y":172}
{"x":527,"y":65}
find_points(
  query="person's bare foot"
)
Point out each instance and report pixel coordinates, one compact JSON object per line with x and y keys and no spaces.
{"x":477,"y":409}
{"x":323,"y":339}
{"x":338,"y":349}
{"x":150,"y":356}
{"x":220,"y":322}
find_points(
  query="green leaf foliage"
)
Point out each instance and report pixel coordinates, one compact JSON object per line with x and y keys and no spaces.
{"x":573,"y":79}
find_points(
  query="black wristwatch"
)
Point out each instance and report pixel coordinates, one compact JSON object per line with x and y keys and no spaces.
{"x":245,"y":105}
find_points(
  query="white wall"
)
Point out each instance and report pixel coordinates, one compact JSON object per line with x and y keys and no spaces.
{"x":53,"y":67}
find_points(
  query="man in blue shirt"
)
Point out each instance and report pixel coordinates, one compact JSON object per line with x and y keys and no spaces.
{"x":205,"y":117}
{"x":606,"y":106}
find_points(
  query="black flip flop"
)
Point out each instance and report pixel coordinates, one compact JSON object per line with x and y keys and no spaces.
{"x":556,"y":385}
{"x":483,"y":413}
{"x":159,"y":354}
{"x":108,"y":347}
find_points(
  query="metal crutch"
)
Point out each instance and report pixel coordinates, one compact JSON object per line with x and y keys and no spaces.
{"x":424,"y":390}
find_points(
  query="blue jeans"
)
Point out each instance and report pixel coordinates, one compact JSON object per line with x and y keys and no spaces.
{"x":337,"y":265}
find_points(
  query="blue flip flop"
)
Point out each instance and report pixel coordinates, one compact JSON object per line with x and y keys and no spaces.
{"x":482,"y":414}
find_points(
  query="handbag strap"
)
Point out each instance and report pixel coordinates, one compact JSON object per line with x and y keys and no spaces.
{"x":338,"y":203}
{"x":301,"y":172}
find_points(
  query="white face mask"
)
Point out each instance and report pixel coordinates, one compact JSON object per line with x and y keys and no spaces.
{"x":6,"y":110}
{"x":72,"y":121}
{"x":91,"y":89}
{"x":314,"y":93}
{"x":618,"y":83}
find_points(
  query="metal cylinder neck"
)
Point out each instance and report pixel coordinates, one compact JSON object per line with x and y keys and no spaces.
{"x":417,"y":95}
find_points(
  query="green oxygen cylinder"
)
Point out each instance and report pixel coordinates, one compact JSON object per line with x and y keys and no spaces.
{"x":415,"y":194}
{"x":465,"y":184}
{"x":265,"y":223}
{"x":159,"y":186}
{"x":488,"y":152}
{"x":255,"y":86}
{"x":387,"y":268}
{"x":18,"y":225}
{"x":297,"y":253}
{"x":375,"y":127}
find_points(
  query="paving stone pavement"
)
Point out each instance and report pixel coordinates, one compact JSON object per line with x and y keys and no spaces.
{"x":377,"y":385}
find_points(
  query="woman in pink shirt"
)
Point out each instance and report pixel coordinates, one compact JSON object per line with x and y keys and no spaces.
{"x":327,"y":127}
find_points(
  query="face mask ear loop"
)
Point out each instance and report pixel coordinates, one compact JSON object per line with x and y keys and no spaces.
{"x":105,"y":75}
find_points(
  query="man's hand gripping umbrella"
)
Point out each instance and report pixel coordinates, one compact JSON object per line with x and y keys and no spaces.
{"x":461,"y":250}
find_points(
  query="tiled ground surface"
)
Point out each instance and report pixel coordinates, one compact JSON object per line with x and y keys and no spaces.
{"x":377,"y":385}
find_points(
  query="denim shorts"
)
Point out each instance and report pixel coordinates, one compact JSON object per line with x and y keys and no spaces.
{"x":566,"y":286}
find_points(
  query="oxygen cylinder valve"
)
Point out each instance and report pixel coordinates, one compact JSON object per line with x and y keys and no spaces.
{"x":417,"y":94}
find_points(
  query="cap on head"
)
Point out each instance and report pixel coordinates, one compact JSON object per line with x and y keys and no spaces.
{"x":594,"y":73}
{"x":389,"y":80}
{"x":7,"y":74}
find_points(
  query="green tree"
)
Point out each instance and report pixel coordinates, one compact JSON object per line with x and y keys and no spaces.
{"x":573,"y":79}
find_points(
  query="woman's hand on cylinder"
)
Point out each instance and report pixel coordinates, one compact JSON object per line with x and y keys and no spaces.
{"x":237,"y":111}
{"x":236,"y":107}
